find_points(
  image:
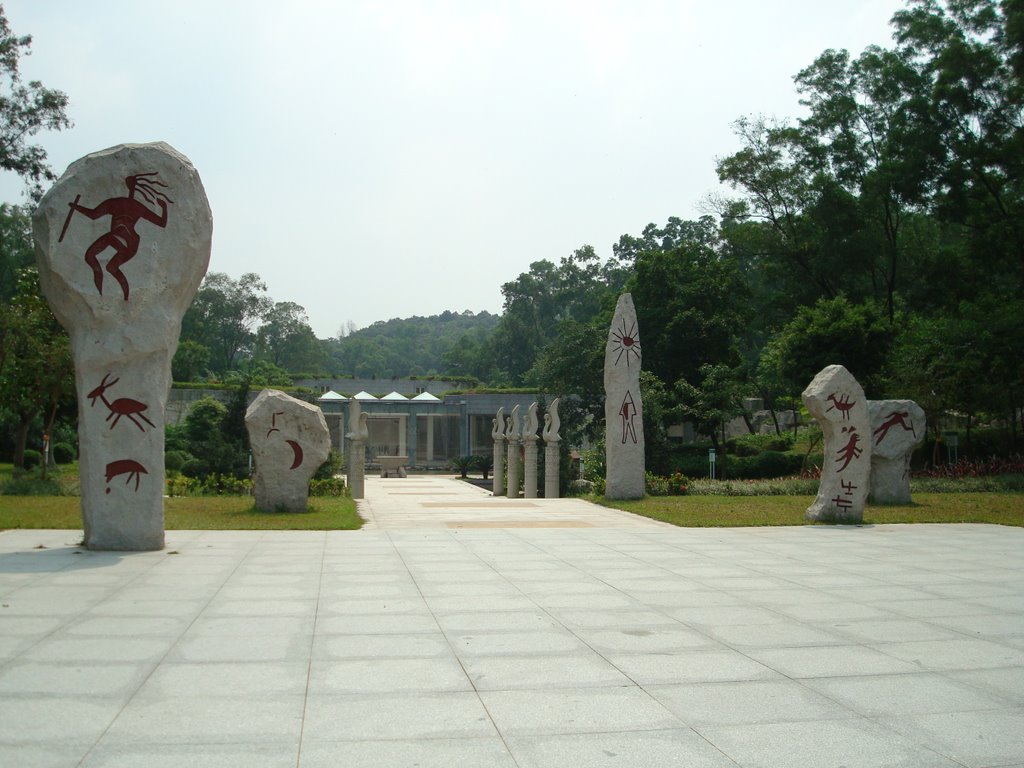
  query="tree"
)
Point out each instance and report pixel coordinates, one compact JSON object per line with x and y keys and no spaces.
{"x":25,"y":109}
{"x":190,"y":361}
{"x":224,"y":317}
{"x":286,"y":340}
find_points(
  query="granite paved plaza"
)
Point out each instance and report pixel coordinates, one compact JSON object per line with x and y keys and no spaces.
{"x":500,"y":635}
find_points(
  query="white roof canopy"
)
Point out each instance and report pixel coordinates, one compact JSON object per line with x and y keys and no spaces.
{"x":364,"y":395}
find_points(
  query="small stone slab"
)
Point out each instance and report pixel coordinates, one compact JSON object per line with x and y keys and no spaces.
{"x":837,"y":402}
{"x":289,"y":440}
{"x":623,"y":408}
{"x":122,"y":243}
{"x":897,"y":428}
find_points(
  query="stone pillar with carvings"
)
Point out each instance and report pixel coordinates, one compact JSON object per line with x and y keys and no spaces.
{"x":357,"y":449}
{"x":551,"y":452}
{"x":512,"y":438}
{"x":530,"y":453}
{"x":498,"y":470}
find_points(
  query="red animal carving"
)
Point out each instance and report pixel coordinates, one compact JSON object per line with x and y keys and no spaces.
{"x":123,"y":406}
{"x":126,"y":467}
{"x":125,"y":214}
{"x":843,"y":405}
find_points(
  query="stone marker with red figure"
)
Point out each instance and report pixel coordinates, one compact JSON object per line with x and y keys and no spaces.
{"x":122,"y":243}
{"x":897,"y":428}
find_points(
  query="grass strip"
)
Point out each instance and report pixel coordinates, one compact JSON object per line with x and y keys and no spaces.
{"x":744,"y":511}
{"x":228,"y":513}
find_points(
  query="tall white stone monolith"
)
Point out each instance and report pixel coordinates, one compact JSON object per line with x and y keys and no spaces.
{"x":498,"y":468}
{"x":512,"y":439}
{"x":289,"y":440}
{"x":837,"y":403}
{"x":551,"y":453}
{"x":529,"y":438}
{"x":623,"y":408}
{"x":897,"y":428}
{"x":122,"y":243}
{"x":357,"y":449}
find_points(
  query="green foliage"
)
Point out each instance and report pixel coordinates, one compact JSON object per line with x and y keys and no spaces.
{"x":213,"y":439}
{"x":25,"y":109}
{"x":63,"y":453}
{"x":32,"y":458}
{"x":175,"y":460}
{"x":329,"y":468}
{"x":751,"y":445}
{"x":328,"y":486}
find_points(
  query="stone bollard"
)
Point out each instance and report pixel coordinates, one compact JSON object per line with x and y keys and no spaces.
{"x":530,"y":453}
{"x":289,"y":440}
{"x":357,"y":449}
{"x":837,"y":402}
{"x":551,"y":454}
{"x":498,"y":470}
{"x":122,"y":243}
{"x":623,"y":408}
{"x":897,"y":428}
{"x":512,"y":438}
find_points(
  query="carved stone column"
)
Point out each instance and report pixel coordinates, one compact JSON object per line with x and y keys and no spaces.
{"x":498,"y":470}
{"x":512,"y":438}
{"x":552,"y":457}
{"x":530,"y":453}
{"x":357,"y":447}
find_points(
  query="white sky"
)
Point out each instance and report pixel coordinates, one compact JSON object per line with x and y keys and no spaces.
{"x":381,"y":159}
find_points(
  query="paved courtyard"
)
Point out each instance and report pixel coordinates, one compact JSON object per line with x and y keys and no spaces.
{"x":459,"y":630}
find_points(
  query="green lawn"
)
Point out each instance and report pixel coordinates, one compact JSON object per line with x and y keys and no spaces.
{"x":188,"y":513}
{"x":724,"y":511}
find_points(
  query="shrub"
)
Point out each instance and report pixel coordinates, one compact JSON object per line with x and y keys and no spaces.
{"x":580,"y":487}
{"x":655,"y":485}
{"x":331,"y":486}
{"x":751,"y":445}
{"x":329,"y":468}
{"x":63,"y":453}
{"x":30,"y":485}
{"x":175,"y":460}
{"x":32,"y":458}
{"x":989,"y":467}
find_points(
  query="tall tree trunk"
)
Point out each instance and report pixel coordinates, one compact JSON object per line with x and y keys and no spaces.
{"x":20,"y":438}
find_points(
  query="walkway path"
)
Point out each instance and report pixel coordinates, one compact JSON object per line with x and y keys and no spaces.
{"x":431,"y":501}
{"x":621,"y":644}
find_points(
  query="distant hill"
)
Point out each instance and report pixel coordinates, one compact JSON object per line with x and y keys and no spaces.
{"x":411,"y":346}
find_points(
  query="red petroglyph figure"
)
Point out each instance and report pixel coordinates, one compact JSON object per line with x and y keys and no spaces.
{"x":628,"y":342}
{"x":273,"y":423}
{"x":125,"y":214}
{"x":842,"y":503}
{"x":296,"y":454}
{"x":123,"y":406}
{"x":894,"y":418}
{"x":628,"y":412}
{"x":843,"y":405}
{"x":850,"y":451}
{"x":126,"y":467}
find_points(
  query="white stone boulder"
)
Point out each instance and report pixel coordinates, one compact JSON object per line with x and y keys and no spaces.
{"x":289,"y":440}
{"x":837,"y":403}
{"x":122,"y":244}
{"x":897,"y":428}
{"x":623,"y":408}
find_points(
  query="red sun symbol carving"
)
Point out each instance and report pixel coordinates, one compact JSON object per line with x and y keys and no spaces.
{"x":626,"y":342}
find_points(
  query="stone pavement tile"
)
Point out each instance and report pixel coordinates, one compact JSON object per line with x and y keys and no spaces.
{"x":347,"y":606}
{"x":576,"y":710}
{"x":248,"y":626}
{"x":299,"y":609}
{"x":395,"y":716}
{"x":830,"y":661}
{"x":541,"y":642}
{"x":978,"y":739}
{"x":426,"y":675}
{"x":932,"y":607}
{"x":231,"y":679}
{"x":376,"y":624}
{"x":495,"y":621}
{"x":583,"y":669}
{"x":851,"y":743}
{"x":411,"y":646}
{"x":951,"y":655}
{"x":12,"y":647}
{"x":605,"y":600}
{"x":664,"y":748}
{"x":1008,"y":683}
{"x":691,"y":667}
{"x":628,"y":618}
{"x":43,"y":755}
{"x":708,"y":617}
{"x":240,"y":648}
{"x":777,"y":635}
{"x":178,"y":755}
{"x":700,"y":598}
{"x":892,"y":630}
{"x":833,"y":611}
{"x":53,"y":679}
{"x":658,"y":639}
{"x":776,"y":599}
{"x":749,"y":701}
{"x":126,"y":626}
{"x":205,"y":719}
{"x":425,"y":753}
{"x":993,"y":625}
{"x":910,"y":694}
{"x":54,"y":720}
{"x":100,"y":650}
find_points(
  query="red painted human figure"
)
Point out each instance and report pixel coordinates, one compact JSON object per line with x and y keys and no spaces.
{"x":850,"y":451}
{"x":125,"y":214}
{"x":894,"y":418}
